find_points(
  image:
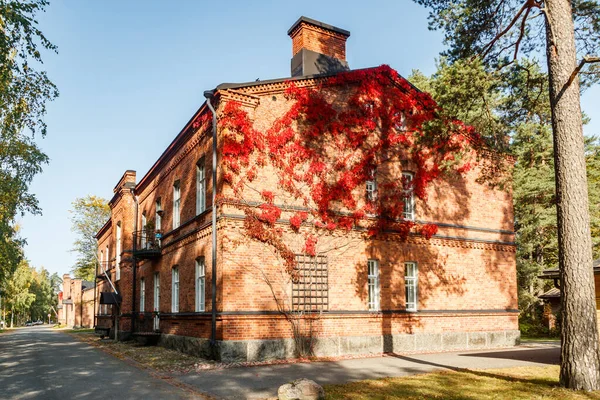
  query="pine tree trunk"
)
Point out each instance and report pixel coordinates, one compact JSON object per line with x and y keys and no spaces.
{"x":580,"y":356}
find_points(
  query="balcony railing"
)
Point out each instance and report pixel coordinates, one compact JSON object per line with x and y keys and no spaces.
{"x":146,"y":244}
{"x":102,"y":267}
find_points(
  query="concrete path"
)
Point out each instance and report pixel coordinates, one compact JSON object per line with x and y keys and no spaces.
{"x":263,"y":381}
{"x":41,"y":363}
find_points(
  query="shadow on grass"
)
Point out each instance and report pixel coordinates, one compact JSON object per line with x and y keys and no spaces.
{"x":513,"y":383}
{"x":481,"y":373}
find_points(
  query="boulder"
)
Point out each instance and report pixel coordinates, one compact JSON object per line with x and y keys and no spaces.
{"x":301,"y":389}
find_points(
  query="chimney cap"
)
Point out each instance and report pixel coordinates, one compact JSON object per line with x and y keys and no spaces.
{"x":323,"y":25}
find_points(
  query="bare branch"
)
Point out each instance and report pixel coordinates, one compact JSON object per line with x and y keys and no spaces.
{"x":521,"y":33}
{"x":486,"y":49}
{"x":586,"y":60}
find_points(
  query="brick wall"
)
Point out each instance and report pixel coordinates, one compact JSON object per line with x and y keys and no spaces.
{"x":466,"y":279}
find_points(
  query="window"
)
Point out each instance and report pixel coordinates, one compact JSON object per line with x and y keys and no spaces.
{"x":373,"y":284}
{"x":402,"y":126}
{"x":310,"y":290}
{"x":156,"y":291}
{"x":107,"y":259}
{"x":142,"y":294}
{"x":157,"y":217}
{"x":175,"y":289}
{"x":200,"y":186}
{"x":176,"y":204}
{"x":371,"y":187}
{"x":144,"y":233}
{"x":200,"y":284}
{"x":410,"y":282}
{"x":409,"y":197}
{"x":118,"y":253}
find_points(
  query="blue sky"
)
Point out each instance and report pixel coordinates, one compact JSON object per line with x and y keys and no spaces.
{"x":132,"y":73}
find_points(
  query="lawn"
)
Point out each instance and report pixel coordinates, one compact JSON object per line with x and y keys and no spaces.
{"x":511,"y":383}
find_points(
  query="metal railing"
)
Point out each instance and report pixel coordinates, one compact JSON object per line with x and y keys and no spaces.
{"x":146,"y":244}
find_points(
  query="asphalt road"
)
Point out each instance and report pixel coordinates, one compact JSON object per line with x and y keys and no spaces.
{"x":41,"y":363}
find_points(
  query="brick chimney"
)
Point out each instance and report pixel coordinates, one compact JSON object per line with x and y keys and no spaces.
{"x":317,"y":48}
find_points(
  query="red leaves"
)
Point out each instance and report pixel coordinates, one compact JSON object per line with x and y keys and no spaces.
{"x":428,"y":230}
{"x":270,"y":214}
{"x":310,"y":245}
{"x":326,"y":146}
{"x":297,"y":219}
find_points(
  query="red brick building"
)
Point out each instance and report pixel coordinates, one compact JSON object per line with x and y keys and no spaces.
{"x":454,"y":291}
{"x":76,"y":303}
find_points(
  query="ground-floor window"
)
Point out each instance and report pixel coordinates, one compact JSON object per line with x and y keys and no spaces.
{"x":310,"y":288}
{"x":200,"y":284}
{"x":411,"y":284}
{"x":142,"y":294}
{"x":373,"y":284}
{"x":175,"y":289}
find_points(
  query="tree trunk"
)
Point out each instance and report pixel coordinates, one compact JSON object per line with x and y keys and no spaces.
{"x":580,"y":356}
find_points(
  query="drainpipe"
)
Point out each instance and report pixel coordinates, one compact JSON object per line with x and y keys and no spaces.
{"x":133,"y":259}
{"x":213,"y":328}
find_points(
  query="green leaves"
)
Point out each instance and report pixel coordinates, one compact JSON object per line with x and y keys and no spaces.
{"x":24,"y":93}
{"x":88,"y":215}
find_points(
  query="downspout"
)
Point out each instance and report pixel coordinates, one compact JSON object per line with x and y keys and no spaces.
{"x":133,"y":259}
{"x":213,"y":328}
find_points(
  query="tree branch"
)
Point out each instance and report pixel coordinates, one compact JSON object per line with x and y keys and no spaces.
{"x":585,"y":60}
{"x":521,"y":33}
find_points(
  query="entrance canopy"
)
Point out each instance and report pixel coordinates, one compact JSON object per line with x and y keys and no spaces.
{"x":110,"y":298}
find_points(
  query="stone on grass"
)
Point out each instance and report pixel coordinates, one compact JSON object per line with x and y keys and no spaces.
{"x":301,"y":389}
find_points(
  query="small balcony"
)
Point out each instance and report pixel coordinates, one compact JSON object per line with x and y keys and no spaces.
{"x":146,"y":244}
{"x":104,"y":266}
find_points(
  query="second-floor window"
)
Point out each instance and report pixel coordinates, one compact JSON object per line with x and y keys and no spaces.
{"x":144,"y":233}
{"x":157,"y":217}
{"x":371,"y":187}
{"x":200,"y":186}
{"x":176,"y":204}
{"x":409,"y":196}
{"x":175,"y":289}
{"x":118,"y":253}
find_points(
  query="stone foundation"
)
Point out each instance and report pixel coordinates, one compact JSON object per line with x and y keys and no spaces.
{"x":272,"y":349}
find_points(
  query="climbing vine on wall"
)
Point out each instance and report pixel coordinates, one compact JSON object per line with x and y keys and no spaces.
{"x":349,"y":129}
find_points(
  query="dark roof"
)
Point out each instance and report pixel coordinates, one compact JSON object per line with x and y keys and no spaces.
{"x":553,"y":273}
{"x":553,"y":293}
{"x":319,"y":24}
{"x":87,"y":285}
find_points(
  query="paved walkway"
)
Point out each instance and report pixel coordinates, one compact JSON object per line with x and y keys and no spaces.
{"x":41,"y":363}
{"x":262,"y":381}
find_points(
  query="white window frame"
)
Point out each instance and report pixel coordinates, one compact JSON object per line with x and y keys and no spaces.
{"x":371,"y":187}
{"x":142,"y":294}
{"x":176,"y":204}
{"x":118,"y":253}
{"x":408,"y":212}
{"x":200,"y":284}
{"x":175,"y":289}
{"x":373,"y":286}
{"x":143,"y":242}
{"x":201,"y":186}
{"x":411,"y":280}
{"x":157,"y":218}
{"x":156,"y":291}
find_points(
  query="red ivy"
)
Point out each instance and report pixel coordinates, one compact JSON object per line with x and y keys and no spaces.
{"x":328,"y":144}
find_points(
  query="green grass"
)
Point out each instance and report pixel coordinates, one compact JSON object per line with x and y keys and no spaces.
{"x":82,"y":330}
{"x":510,"y":383}
{"x":539,"y":339}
